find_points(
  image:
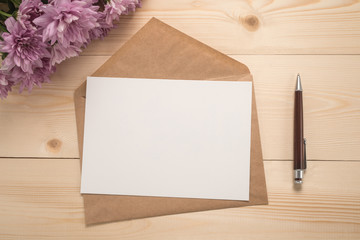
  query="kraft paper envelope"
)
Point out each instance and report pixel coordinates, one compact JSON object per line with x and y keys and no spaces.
{"x":162,"y":52}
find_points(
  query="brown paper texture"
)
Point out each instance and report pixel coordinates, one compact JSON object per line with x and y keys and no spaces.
{"x":162,"y":52}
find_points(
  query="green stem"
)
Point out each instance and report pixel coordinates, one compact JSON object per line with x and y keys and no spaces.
{"x":5,"y":14}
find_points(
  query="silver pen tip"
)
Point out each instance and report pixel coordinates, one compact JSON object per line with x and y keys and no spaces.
{"x":298,"y":83}
{"x":298,"y":176}
{"x":298,"y":181}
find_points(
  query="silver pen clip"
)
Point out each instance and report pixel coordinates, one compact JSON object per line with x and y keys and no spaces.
{"x":304,"y":153}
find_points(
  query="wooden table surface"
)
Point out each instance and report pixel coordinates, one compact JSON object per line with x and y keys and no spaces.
{"x":39,"y":159}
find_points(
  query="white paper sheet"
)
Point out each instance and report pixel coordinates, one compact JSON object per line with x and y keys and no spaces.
{"x":167,"y":138}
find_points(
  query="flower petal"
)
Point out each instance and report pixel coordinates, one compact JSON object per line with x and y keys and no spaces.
{"x":10,"y":23}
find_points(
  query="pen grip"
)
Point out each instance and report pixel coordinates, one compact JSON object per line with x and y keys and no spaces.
{"x":299,"y":161}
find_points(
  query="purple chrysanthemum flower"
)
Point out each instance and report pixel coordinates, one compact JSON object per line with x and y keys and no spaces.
{"x":66,"y":21}
{"x":131,"y":5}
{"x":40,"y":75}
{"x":113,"y":10}
{"x":59,"y":53}
{"x":28,"y":11}
{"x":45,"y":34}
{"x":24,"y":47}
{"x":102,"y":30}
{"x":5,"y":85}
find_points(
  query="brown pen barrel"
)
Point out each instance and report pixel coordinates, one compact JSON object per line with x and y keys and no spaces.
{"x":299,"y":162}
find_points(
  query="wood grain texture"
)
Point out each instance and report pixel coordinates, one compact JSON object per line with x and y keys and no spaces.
{"x":39,"y":199}
{"x":251,"y":27}
{"x":331,"y":93}
{"x":43,"y":124}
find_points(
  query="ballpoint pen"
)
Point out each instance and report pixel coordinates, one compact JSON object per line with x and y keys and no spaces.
{"x":299,"y":140}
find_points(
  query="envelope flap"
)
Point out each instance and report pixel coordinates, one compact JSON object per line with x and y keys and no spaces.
{"x":160,"y":51}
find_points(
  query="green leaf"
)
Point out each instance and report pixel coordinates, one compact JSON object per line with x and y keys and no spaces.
{"x":3,"y":18}
{"x":3,"y":55}
{"x":11,"y":6}
{"x":16,"y":3}
{"x":14,"y":14}
{"x":3,"y":28}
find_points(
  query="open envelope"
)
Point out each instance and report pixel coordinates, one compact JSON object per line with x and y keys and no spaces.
{"x":162,"y":52}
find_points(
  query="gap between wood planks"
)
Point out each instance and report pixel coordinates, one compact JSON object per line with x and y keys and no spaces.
{"x":254,"y":54}
{"x":267,"y":160}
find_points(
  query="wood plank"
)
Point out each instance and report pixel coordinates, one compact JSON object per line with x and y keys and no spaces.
{"x":43,"y":124}
{"x":39,"y":199}
{"x":250,"y":27}
{"x":331,"y":104}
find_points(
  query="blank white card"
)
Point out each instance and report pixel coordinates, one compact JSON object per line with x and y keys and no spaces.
{"x":167,"y":138}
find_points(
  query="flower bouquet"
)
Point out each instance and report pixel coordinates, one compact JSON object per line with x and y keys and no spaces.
{"x":38,"y":34}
